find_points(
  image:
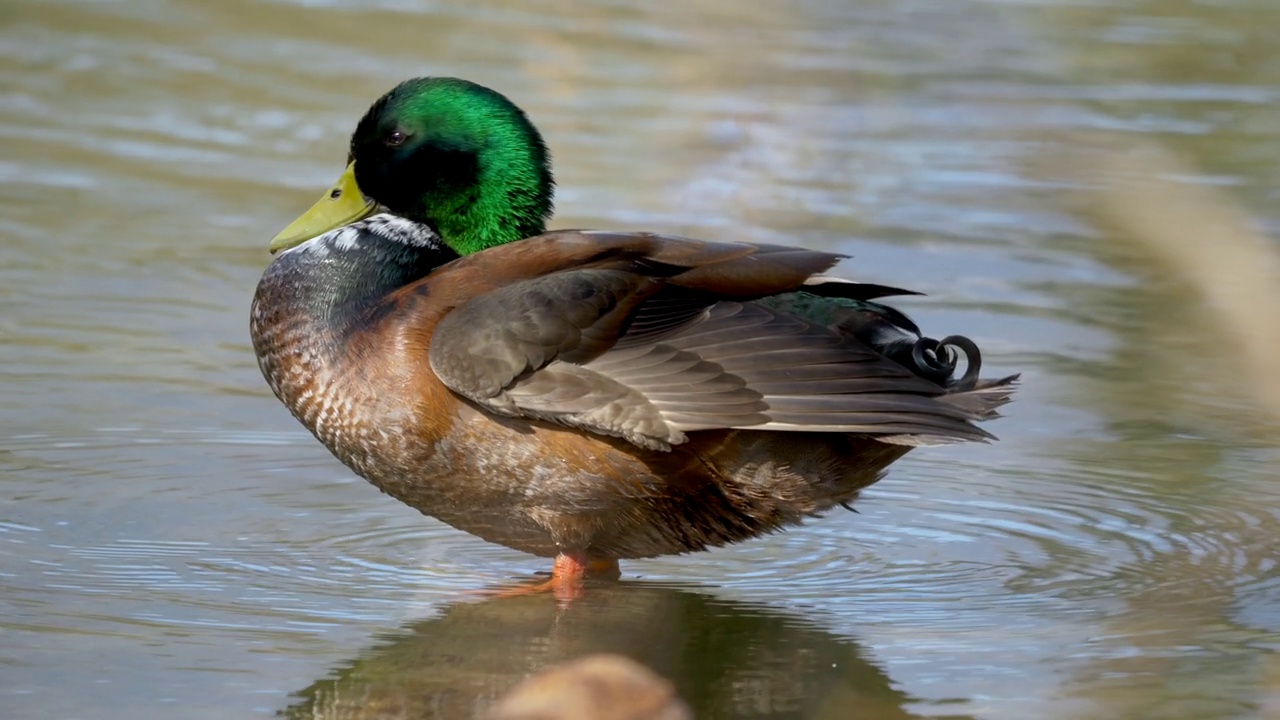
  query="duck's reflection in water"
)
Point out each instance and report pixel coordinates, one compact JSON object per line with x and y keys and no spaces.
{"x":727,"y":659}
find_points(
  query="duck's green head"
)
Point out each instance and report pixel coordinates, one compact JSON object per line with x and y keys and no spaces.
{"x":446,"y":152}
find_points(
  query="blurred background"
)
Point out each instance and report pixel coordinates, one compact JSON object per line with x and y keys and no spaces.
{"x":1087,"y":189}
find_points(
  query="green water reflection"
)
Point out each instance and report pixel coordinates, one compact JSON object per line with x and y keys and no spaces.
{"x":728,"y":659}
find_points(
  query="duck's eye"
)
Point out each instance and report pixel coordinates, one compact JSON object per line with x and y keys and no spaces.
{"x":396,"y":138}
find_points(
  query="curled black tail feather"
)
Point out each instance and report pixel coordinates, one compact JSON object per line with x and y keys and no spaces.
{"x":893,"y":335}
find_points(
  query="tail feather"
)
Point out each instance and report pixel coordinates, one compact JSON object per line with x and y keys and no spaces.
{"x":897,"y":338}
{"x":984,"y":399}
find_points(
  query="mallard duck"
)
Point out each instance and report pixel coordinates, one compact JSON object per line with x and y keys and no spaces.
{"x":583,"y":395}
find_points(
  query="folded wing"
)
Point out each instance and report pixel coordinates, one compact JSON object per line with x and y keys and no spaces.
{"x":652,"y":344}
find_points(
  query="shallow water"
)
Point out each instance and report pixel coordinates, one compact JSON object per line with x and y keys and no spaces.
{"x":173,"y":544}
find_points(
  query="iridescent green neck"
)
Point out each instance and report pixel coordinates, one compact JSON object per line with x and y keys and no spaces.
{"x":510,"y":200}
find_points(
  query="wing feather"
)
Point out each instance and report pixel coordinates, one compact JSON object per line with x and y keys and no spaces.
{"x":633,"y":344}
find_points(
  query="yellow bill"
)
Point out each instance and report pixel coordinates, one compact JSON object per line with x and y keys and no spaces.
{"x":341,"y":205}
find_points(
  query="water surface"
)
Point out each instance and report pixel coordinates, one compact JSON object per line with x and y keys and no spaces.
{"x":173,"y":544}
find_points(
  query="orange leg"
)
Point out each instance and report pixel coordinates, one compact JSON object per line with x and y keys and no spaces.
{"x":569,"y":575}
{"x":577,"y":567}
